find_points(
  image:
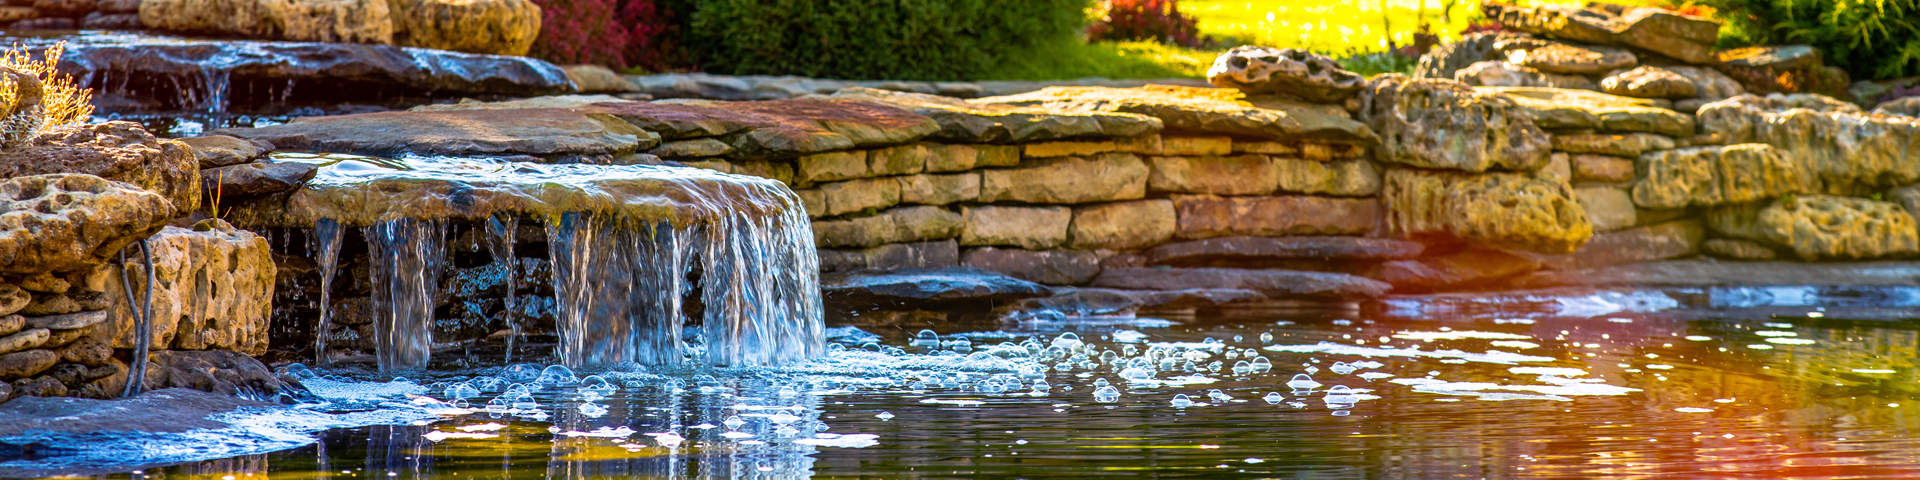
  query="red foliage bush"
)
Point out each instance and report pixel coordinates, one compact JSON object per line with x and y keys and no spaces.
{"x":615,"y":33}
{"x":1157,"y":20}
{"x":1482,"y":26}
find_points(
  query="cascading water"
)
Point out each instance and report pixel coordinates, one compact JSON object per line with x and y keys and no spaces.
{"x":654,"y":265}
{"x":326,"y":247}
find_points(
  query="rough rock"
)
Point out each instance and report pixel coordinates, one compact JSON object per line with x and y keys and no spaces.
{"x":1709,"y":85}
{"x":1644,"y":244}
{"x":1466,"y":269}
{"x":39,"y":387}
{"x":249,"y":180}
{"x":10,"y":324}
{"x":1708,"y":176}
{"x":543,"y":132}
{"x":1032,"y":228}
{"x":1242,"y":248}
{"x":27,"y":363}
{"x":1191,"y":146}
{"x":1621,"y":145}
{"x":344,"y":21}
{"x":12,"y":299}
{"x":777,"y":129}
{"x":1112,"y":302}
{"x":857,"y":195}
{"x":1822,"y":227}
{"x":44,"y":283}
{"x":1445,"y":124}
{"x":105,"y":435}
{"x":1571,"y":59}
{"x":213,"y":371}
{"x":1562,"y":109}
{"x":831,"y":166}
{"x":1503,"y":74}
{"x":35,"y":337}
{"x":495,"y":27}
{"x":1649,"y":82}
{"x":1084,"y":148}
{"x":1107,"y":177}
{"x":1235,"y":175}
{"x":118,"y":151}
{"x":924,"y":289}
{"x":929,"y":189}
{"x":117,"y":6}
{"x":691,"y":148}
{"x":1342,"y":178}
{"x":1267,"y":71}
{"x":598,"y":79}
{"x":67,"y":221}
{"x":1207,"y":216}
{"x":1903,"y":106}
{"x":1602,"y":168}
{"x":895,"y":256}
{"x":1122,"y":225}
{"x":90,"y":351}
{"x":1736,"y":249}
{"x":62,"y":8}
{"x":897,"y":225}
{"x":1272,"y":283}
{"x":1607,"y":208}
{"x":1050,"y":267}
{"x":970,"y":122}
{"x":68,"y":321}
{"x":1776,"y":57}
{"x":1443,"y":60}
{"x":898,"y":160}
{"x":221,"y":150}
{"x":213,"y":290}
{"x":1688,"y":39}
{"x":1213,"y":110}
{"x":1496,"y":210}
{"x":960,"y":158}
{"x":1851,"y":152}
{"x":111,"y":21}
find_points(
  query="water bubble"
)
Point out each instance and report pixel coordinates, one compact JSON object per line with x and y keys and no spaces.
{"x":1238,"y":339}
{"x":1067,"y":340}
{"x":1181,"y":401}
{"x":1108,"y":357}
{"x":1232,"y":354}
{"x":926,"y":339}
{"x":884,"y":416}
{"x":1302,"y":382}
{"x":592,"y":410}
{"x":498,"y":405}
{"x":1215,"y":366}
{"x":1100,"y":382}
{"x":783,"y":418}
{"x":594,"y":386}
{"x":557,"y":375}
{"x":488,"y":384}
{"x":402,"y":380}
{"x":786,"y":431}
{"x":1136,"y":374}
{"x":1241,"y":368}
{"x":1218,"y":396}
{"x":1341,"y":397}
{"x":462,"y":403}
{"x":1341,"y":368}
{"x":788,"y":392}
{"x":518,"y":388}
{"x":734,"y":422}
{"x":1210,"y":341}
{"x":1266,"y":337}
{"x":1273,"y":398}
{"x":1129,"y":350}
{"x":1169,"y":363}
{"x":1106,"y":394}
{"x":833,"y":348}
{"x":523,"y":402}
{"x":461,"y":391}
{"x":1250,"y":353}
{"x":299,"y":371}
{"x":1312,"y":369}
{"x":525,"y":372}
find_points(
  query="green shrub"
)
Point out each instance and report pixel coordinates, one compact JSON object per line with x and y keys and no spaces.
{"x":1869,"y":38}
{"x":873,"y":39}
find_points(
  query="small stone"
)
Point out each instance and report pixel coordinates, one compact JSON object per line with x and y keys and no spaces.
{"x":39,"y":387}
{"x":27,"y":363}
{"x":1343,"y":178}
{"x":900,"y":160}
{"x":1737,"y":249}
{"x":1573,"y":59}
{"x":1193,"y":146}
{"x":69,"y":321}
{"x":51,"y":304}
{"x":13,"y":299}
{"x":895,"y":256}
{"x":491,"y":27}
{"x":1503,"y":74}
{"x":25,"y":339}
{"x":89,"y":351}
{"x":1207,"y":216}
{"x":1051,"y":267}
{"x":857,"y":195}
{"x":1444,"y":124}
{"x":1601,"y":168}
{"x":12,"y":323}
{"x":1264,"y":148}
{"x":832,"y":166}
{"x":1264,"y":71}
{"x":776,"y":170}
{"x":1780,"y":58}
{"x":44,"y":283}
{"x":954,"y":158}
{"x":250,"y":180}
{"x":598,"y":79}
{"x":1066,"y":149}
{"x":1649,"y":82}
{"x":1607,"y":208}
{"x":1032,"y":228}
{"x":933,"y":189}
{"x":61,"y":338}
{"x":1237,"y":175}
{"x":1622,"y":145}
{"x":692,"y":148}
{"x":896,"y":225}
{"x":1122,"y":225}
{"x":1068,"y":180}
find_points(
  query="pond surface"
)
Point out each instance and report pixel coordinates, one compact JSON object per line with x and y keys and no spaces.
{"x":1668,"y":393}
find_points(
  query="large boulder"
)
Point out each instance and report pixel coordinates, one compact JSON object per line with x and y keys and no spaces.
{"x":1718,"y":175}
{"x":1495,"y":210}
{"x":1445,"y":124}
{"x":1685,"y":38}
{"x":344,"y":21}
{"x":1851,"y":152}
{"x":213,"y":289}
{"x":1285,"y":71}
{"x":1824,"y":227}
{"x":118,"y":151}
{"x":497,"y":27}
{"x":69,"y":222}
{"x":1212,"y":110}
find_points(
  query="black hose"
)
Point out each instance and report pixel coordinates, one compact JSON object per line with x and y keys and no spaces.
{"x":143,"y":326}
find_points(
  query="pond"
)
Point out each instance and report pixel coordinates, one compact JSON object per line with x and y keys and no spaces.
{"x":1654,"y":391}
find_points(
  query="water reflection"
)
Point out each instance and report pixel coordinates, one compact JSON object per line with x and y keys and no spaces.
{"x":1674,"y":393}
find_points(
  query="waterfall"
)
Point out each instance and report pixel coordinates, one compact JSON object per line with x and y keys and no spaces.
{"x":500,"y":229}
{"x":326,"y":249}
{"x":408,"y":257}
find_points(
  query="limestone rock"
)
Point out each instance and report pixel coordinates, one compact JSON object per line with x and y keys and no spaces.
{"x":960,"y":158}
{"x":23,"y":340}
{"x":1737,"y":249}
{"x":1211,"y":110}
{"x":897,"y":225}
{"x":1068,"y":149}
{"x":1107,"y":177}
{"x":894,"y":256}
{"x":1607,"y":208}
{"x":1466,"y":269}
{"x":1709,"y":84}
{"x":213,"y":289}
{"x":1207,"y":216}
{"x":1903,"y":106}
{"x":1243,"y":249}
{"x":1644,"y":244}
{"x":1272,"y":283}
{"x":1343,"y":178}
{"x":542,"y":132}
{"x":1267,"y":71}
{"x":39,"y":387}
{"x":1445,"y":59}
{"x":1602,"y":168}
{"x":1708,"y":176}
{"x":1032,"y":228}
{"x":1565,"y":58}
{"x":1236,"y":175}
{"x":1122,"y":225}
{"x":1775,"y":57}
{"x":924,"y":289}
{"x":1689,"y":39}
{"x":973,"y":122}
{"x":931,"y":189}
{"x":12,"y":299}
{"x":595,"y":78}
{"x":1187,"y":146}
{"x":248,"y":180}
{"x":493,"y":27}
{"x":831,"y":166}
{"x":64,"y":222}
{"x":1562,"y":109}
{"x":1495,"y":210}
{"x":345,"y":21}
{"x":68,"y":321}
{"x":789,"y":128}
{"x":221,"y":150}
{"x":27,"y":363}
{"x":1050,"y":267}
{"x":213,"y":371}
{"x":62,"y":8}
{"x":1622,"y":145}
{"x":1821,"y":226}
{"x":1649,"y":82}
{"x":691,"y":148}
{"x":857,"y":195}
{"x":1503,"y":74}
{"x":1444,"y":124}
{"x":118,"y":151}
{"x":1852,"y":153}
{"x":10,"y":324}
{"x":90,"y":351}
